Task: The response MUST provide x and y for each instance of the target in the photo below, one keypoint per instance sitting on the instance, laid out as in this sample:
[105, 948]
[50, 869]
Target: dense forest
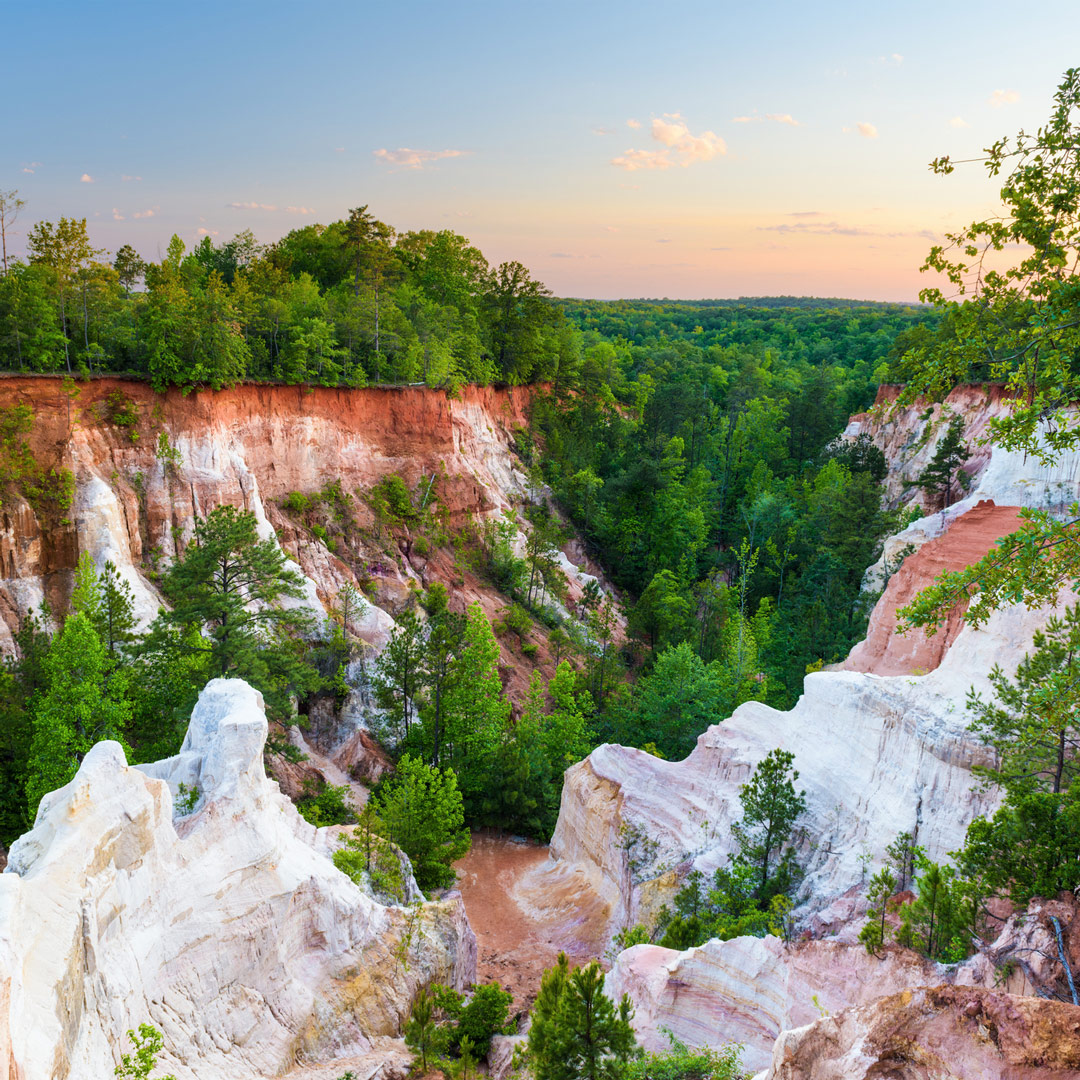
[348, 303]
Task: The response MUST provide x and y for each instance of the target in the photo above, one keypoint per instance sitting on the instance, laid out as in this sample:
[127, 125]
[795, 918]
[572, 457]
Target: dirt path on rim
[524, 910]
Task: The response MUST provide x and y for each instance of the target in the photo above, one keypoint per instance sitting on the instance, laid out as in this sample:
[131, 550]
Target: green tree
[577, 1032]
[940, 474]
[398, 676]
[421, 1032]
[771, 807]
[422, 808]
[80, 705]
[880, 890]
[229, 585]
[476, 712]
[10, 206]
[147, 1043]
[1033, 724]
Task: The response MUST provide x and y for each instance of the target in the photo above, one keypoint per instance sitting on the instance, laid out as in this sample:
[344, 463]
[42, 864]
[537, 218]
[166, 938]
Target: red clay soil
[524, 911]
[884, 652]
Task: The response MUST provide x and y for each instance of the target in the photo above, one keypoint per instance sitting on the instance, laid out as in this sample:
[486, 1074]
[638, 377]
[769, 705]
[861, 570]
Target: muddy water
[525, 910]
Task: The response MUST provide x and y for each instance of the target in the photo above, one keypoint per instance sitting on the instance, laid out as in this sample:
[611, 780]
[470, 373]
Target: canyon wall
[881, 746]
[228, 928]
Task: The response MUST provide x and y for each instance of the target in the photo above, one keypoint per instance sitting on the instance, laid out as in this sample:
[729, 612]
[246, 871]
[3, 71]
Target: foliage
[82, 701]
[366, 856]
[1014, 324]
[422, 809]
[577, 1032]
[682, 1062]
[228, 586]
[752, 895]
[325, 804]
[443, 1021]
[147, 1043]
[939, 476]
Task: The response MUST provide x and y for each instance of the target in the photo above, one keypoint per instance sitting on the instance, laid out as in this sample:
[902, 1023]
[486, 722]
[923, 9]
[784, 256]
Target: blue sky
[779, 149]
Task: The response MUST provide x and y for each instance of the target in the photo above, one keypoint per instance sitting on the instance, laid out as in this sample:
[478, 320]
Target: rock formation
[931, 1032]
[752, 990]
[229, 928]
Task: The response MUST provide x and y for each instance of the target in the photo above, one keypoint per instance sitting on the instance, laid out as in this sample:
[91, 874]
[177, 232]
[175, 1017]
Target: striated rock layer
[751, 990]
[931, 1033]
[229, 929]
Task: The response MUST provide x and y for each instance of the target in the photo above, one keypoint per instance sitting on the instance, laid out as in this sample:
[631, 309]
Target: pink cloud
[682, 147]
[404, 158]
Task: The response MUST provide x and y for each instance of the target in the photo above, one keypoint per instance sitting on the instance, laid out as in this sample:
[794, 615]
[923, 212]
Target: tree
[1017, 325]
[10, 205]
[421, 1032]
[476, 713]
[938, 477]
[1034, 724]
[424, 816]
[398, 676]
[229, 585]
[879, 892]
[80, 705]
[577, 1032]
[771, 806]
[65, 248]
[148, 1043]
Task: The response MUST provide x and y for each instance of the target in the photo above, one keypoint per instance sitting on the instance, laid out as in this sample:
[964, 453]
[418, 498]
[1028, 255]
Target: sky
[618, 149]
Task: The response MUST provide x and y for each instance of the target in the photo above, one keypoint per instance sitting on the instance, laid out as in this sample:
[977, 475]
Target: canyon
[232, 931]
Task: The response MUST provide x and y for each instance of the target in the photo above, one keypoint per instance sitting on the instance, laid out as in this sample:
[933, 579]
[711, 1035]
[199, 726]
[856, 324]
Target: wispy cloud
[116, 215]
[201, 231]
[611, 228]
[775, 118]
[958, 122]
[666, 240]
[603, 131]
[564, 255]
[834, 228]
[271, 207]
[682, 147]
[29, 167]
[1002, 97]
[86, 178]
[152, 212]
[805, 213]
[892, 60]
[404, 158]
[866, 129]
[125, 178]
[635, 124]
[339, 149]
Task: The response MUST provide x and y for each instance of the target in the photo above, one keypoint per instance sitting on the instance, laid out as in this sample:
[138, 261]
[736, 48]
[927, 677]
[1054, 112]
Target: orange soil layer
[524, 911]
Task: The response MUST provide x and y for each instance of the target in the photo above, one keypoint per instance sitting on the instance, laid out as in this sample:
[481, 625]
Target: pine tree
[938, 477]
[229, 585]
[879, 892]
[577, 1032]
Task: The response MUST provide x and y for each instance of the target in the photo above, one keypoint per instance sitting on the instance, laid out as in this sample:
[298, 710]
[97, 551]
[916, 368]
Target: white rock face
[229, 929]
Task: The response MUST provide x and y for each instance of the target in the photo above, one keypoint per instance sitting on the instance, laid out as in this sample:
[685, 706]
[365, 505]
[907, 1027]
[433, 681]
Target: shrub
[297, 503]
[324, 804]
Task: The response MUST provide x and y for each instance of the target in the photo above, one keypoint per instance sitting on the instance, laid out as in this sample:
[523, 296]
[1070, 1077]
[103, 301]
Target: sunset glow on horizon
[702, 150]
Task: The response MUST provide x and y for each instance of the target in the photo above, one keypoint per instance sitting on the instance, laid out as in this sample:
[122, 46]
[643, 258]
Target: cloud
[125, 178]
[834, 228]
[1002, 97]
[635, 124]
[200, 231]
[86, 178]
[339, 149]
[805, 213]
[893, 59]
[958, 122]
[27, 169]
[682, 147]
[866, 130]
[116, 215]
[611, 228]
[666, 240]
[146, 213]
[603, 131]
[720, 249]
[776, 118]
[405, 158]
[564, 255]
[632, 160]
[270, 207]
